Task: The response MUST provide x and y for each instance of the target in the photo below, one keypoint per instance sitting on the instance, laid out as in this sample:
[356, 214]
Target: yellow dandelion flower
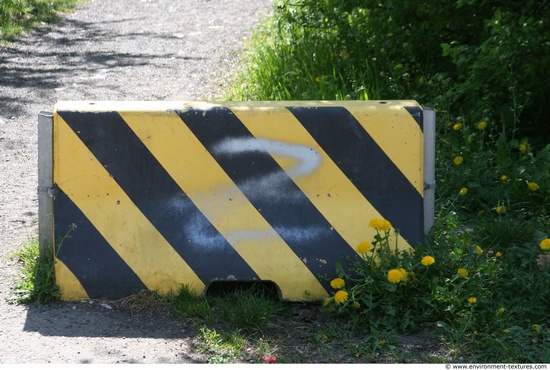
[503, 178]
[499, 254]
[337, 283]
[394, 276]
[501, 310]
[462, 272]
[398, 66]
[326, 302]
[382, 342]
[457, 126]
[501, 209]
[522, 148]
[341, 296]
[385, 225]
[545, 244]
[427, 260]
[482, 125]
[458, 160]
[536, 327]
[533, 186]
[380, 224]
[479, 250]
[364, 248]
[356, 305]
[404, 276]
[463, 191]
[472, 300]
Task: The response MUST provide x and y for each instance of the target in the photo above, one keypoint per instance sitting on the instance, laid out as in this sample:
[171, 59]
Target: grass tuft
[248, 310]
[36, 282]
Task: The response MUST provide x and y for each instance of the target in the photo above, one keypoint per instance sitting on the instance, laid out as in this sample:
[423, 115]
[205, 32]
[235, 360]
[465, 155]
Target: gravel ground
[105, 50]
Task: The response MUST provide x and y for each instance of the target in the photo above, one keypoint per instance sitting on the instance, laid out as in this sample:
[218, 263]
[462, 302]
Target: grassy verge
[18, 16]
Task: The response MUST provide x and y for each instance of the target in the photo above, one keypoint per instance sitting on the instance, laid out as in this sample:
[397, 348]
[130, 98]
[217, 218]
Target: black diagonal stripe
[417, 113]
[158, 196]
[101, 271]
[265, 184]
[367, 166]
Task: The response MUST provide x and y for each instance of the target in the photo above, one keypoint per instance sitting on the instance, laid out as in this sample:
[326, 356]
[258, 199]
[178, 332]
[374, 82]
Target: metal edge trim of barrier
[429, 169]
[45, 184]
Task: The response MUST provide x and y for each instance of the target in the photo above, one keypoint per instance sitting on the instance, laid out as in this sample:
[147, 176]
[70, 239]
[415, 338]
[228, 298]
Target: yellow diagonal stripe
[86, 182]
[321, 180]
[69, 286]
[221, 201]
[392, 125]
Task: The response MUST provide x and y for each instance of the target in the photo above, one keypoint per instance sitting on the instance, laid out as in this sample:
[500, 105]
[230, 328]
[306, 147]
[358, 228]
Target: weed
[222, 349]
[36, 281]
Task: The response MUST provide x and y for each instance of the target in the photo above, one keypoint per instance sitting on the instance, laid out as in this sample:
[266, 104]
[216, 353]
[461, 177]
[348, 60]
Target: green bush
[481, 60]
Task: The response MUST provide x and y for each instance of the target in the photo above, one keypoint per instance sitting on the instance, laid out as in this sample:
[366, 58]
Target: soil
[180, 50]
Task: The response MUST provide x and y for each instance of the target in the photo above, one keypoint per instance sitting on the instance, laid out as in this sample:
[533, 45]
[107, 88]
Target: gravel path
[106, 50]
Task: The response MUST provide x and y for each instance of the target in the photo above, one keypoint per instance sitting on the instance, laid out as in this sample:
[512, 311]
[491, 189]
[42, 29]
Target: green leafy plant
[383, 288]
[222, 349]
[36, 282]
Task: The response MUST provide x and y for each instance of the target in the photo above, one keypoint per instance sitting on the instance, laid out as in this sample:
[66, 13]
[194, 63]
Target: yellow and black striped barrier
[155, 195]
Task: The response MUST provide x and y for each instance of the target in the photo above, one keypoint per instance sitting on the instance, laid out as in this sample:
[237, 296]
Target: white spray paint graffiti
[303, 234]
[306, 160]
[197, 229]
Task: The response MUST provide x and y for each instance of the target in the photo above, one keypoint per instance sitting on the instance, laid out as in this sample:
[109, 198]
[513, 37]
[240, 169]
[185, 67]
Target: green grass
[18, 16]
[232, 318]
[281, 66]
[247, 309]
[36, 281]
[191, 306]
